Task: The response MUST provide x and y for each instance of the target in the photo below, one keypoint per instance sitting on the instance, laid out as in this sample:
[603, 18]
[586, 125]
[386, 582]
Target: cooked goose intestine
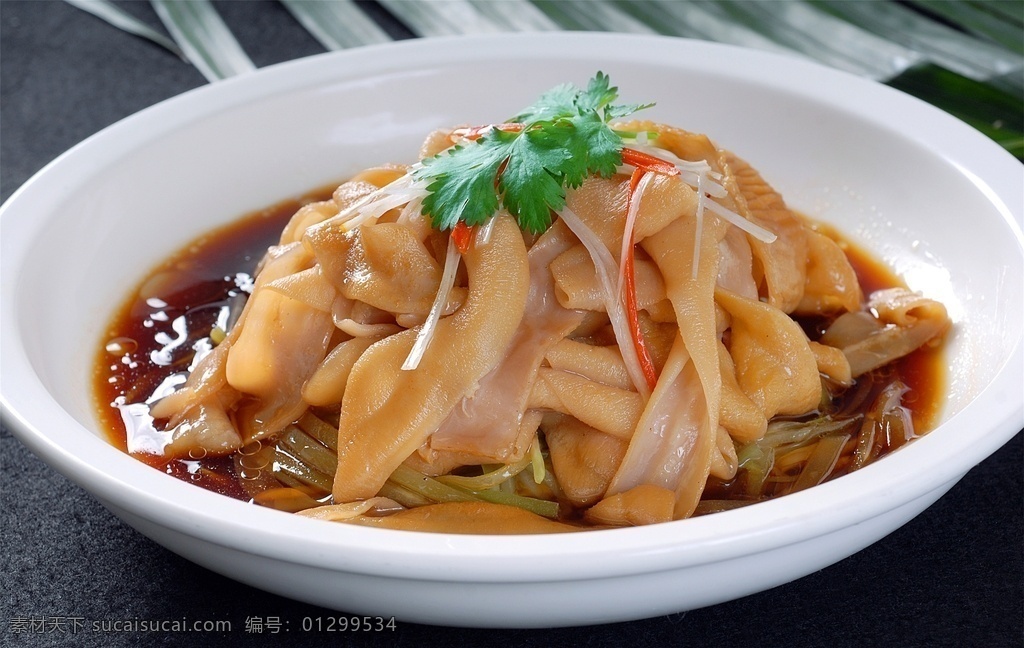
[526, 345]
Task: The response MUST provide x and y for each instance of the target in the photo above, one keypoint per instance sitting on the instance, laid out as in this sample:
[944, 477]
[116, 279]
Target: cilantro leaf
[599, 94]
[563, 138]
[618, 112]
[531, 184]
[604, 147]
[461, 183]
[557, 102]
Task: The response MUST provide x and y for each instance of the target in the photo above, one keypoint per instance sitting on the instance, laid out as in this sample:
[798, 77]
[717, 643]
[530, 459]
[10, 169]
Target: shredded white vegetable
[395, 194]
[753, 229]
[607, 273]
[412, 211]
[403, 190]
[705, 180]
[451, 266]
[688, 170]
[483, 232]
[627, 234]
[698, 226]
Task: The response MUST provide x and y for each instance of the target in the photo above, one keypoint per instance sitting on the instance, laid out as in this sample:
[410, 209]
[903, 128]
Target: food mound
[563, 321]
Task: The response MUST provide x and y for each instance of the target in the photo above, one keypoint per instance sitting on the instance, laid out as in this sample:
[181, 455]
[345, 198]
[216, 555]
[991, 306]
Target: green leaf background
[963, 56]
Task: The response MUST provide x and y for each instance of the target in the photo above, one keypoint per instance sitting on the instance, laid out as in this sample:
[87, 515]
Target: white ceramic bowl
[932, 196]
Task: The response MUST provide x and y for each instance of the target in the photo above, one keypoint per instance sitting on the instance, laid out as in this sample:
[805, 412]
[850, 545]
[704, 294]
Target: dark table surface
[954, 576]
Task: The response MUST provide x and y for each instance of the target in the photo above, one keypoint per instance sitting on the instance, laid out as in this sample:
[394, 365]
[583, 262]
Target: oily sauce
[152, 339]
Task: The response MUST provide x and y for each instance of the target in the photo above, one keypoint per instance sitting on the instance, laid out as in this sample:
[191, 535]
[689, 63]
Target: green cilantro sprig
[561, 140]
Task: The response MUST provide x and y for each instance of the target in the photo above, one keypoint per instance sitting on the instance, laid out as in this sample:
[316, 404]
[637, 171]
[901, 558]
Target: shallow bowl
[931, 196]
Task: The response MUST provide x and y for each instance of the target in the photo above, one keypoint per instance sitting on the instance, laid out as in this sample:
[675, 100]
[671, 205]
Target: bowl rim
[120, 480]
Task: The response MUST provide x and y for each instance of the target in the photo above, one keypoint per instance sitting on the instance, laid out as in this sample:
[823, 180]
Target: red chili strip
[475, 132]
[462, 236]
[634, 182]
[647, 162]
[629, 297]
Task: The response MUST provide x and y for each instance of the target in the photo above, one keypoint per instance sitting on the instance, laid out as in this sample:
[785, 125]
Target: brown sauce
[924, 370]
[181, 299]
[154, 335]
